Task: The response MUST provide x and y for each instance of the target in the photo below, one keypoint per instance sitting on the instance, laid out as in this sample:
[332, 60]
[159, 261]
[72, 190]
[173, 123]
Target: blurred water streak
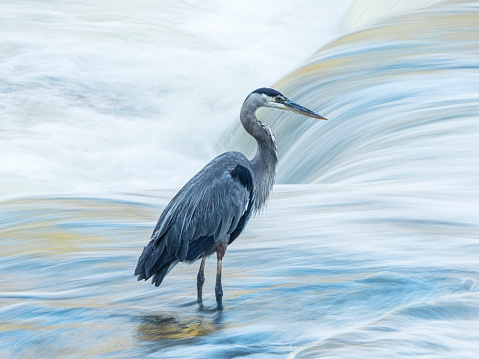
[368, 248]
[351, 271]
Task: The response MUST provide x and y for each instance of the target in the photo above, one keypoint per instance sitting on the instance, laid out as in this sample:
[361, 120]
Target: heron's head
[269, 97]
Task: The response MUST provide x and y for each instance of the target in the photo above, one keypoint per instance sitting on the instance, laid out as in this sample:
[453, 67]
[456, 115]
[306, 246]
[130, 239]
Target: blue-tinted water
[369, 246]
[302, 281]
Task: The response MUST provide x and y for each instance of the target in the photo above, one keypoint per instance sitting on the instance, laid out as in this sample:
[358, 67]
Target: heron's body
[201, 216]
[214, 206]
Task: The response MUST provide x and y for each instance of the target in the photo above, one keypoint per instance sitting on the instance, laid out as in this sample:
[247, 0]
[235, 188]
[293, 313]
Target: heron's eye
[278, 99]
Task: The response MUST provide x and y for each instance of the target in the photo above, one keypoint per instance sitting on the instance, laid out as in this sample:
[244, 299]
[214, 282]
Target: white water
[369, 246]
[101, 96]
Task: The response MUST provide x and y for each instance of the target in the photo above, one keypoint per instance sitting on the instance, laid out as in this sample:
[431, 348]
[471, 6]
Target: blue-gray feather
[206, 210]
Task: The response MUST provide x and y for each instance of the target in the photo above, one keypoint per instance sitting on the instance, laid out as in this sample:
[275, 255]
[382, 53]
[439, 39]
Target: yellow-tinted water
[372, 251]
[324, 263]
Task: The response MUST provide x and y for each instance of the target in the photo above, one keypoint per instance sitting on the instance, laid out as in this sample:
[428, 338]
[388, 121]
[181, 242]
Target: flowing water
[369, 246]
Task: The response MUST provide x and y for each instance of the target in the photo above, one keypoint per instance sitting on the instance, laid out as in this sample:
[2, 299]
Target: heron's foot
[200, 303]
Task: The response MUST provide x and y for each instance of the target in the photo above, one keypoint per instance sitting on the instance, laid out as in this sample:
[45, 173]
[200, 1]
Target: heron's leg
[200, 279]
[220, 252]
[218, 287]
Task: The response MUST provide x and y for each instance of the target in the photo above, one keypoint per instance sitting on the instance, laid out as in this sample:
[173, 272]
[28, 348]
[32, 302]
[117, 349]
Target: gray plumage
[209, 205]
[214, 206]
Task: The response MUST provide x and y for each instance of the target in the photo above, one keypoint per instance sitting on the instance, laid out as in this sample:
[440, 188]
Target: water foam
[132, 96]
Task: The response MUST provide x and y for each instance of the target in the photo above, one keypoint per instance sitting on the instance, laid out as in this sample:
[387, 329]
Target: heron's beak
[294, 107]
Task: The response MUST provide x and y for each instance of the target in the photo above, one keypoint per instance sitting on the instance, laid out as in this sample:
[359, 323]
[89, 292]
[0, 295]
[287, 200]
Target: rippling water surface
[369, 246]
[325, 271]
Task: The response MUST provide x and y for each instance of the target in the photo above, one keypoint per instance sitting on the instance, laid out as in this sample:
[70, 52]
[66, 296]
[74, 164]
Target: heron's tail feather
[154, 261]
[158, 276]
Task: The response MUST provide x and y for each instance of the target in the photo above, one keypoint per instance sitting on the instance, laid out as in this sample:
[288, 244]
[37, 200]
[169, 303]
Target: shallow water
[302, 281]
[369, 246]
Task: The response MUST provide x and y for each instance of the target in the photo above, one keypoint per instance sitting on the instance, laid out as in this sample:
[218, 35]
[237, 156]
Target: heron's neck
[266, 158]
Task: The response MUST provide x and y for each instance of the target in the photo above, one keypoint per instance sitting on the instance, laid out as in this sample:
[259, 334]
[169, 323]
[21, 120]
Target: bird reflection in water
[170, 326]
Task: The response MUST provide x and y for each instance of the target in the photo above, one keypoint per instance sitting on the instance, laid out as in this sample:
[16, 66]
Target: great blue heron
[212, 209]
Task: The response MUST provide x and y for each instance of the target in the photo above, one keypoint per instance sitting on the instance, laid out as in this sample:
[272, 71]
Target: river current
[369, 245]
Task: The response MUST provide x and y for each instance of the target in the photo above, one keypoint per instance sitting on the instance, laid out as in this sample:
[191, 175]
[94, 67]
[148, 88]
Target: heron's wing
[209, 207]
